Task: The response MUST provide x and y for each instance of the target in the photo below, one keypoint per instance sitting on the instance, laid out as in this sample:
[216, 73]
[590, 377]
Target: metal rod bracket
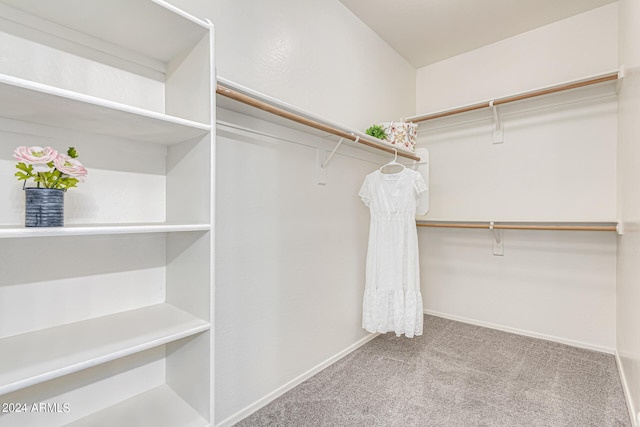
[326, 162]
[498, 134]
[322, 163]
[498, 242]
[620, 77]
[321, 172]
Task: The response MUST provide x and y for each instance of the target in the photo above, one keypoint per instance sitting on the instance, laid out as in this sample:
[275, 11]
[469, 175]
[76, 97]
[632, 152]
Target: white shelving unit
[90, 114]
[107, 320]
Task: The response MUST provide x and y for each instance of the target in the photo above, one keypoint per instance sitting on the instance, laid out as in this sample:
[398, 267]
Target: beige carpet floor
[456, 375]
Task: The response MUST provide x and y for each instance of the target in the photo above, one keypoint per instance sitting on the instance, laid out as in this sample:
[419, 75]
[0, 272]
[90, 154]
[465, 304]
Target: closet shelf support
[498, 243]
[498, 134]
[326, 162]
[620, 77]
[496, 233]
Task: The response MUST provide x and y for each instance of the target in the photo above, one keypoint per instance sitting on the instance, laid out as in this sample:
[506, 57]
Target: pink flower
[36, 156]
[70, 167]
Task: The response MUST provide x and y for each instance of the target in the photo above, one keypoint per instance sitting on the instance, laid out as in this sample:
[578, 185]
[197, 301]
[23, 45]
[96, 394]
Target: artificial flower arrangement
[48, 168]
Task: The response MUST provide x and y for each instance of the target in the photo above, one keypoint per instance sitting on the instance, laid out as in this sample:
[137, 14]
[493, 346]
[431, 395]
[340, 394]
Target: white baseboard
[243, 413]
[573, 343]
[627, 394]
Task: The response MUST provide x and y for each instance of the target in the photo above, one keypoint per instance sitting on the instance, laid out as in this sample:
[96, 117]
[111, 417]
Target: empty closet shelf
[34, 357]
[158, 407]
[41, 104]
[7, 232]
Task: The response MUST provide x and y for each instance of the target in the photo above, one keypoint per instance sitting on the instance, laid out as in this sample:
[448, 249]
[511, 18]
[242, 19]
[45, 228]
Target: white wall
[313, 54]
[290, 262]
[628, 292]
[557, 163]
[573, 48]
[290, 254]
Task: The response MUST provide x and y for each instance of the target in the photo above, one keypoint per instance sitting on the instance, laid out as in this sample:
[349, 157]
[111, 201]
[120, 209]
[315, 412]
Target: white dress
[392, 300]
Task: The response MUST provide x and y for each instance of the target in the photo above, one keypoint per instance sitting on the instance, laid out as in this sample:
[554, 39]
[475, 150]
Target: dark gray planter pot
[44, 207]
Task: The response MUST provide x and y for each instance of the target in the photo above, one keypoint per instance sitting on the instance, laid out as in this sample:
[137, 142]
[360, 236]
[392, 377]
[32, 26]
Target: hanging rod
[608, 226]
[545, 91]
[256, 103]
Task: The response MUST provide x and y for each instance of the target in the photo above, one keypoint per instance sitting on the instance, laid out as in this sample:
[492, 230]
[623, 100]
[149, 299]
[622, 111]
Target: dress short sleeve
[365, 192]
[419, 184]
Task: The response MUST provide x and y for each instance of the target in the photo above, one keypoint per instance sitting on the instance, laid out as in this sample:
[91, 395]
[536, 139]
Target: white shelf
[33, 102]
[251, 111]
[159, 407]
[39, 356]
[9, 232]
[143, 28]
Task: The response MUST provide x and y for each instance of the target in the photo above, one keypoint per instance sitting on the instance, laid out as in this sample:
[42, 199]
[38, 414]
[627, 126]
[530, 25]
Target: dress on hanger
[392, 301]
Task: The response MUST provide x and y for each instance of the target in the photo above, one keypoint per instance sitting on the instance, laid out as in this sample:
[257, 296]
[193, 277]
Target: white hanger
[393, 162]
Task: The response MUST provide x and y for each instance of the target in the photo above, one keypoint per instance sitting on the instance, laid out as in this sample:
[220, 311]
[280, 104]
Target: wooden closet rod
[553, 89]
[519, 226]
[253, 102]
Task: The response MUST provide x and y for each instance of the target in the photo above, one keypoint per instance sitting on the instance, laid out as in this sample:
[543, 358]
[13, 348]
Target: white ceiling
[428, 31]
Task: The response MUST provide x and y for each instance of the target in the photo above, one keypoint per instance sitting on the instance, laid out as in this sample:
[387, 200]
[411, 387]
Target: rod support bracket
[321, 164]
[326, 162]
[498, 242]
[496, 232]
[498, 134]
[621, 72]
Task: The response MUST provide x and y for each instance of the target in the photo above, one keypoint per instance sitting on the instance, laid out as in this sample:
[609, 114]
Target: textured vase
[44, 207]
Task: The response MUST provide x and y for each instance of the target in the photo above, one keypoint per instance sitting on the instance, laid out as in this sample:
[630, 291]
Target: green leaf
[376, 131]
[25, 168]
[73, 181]
[72, 152]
